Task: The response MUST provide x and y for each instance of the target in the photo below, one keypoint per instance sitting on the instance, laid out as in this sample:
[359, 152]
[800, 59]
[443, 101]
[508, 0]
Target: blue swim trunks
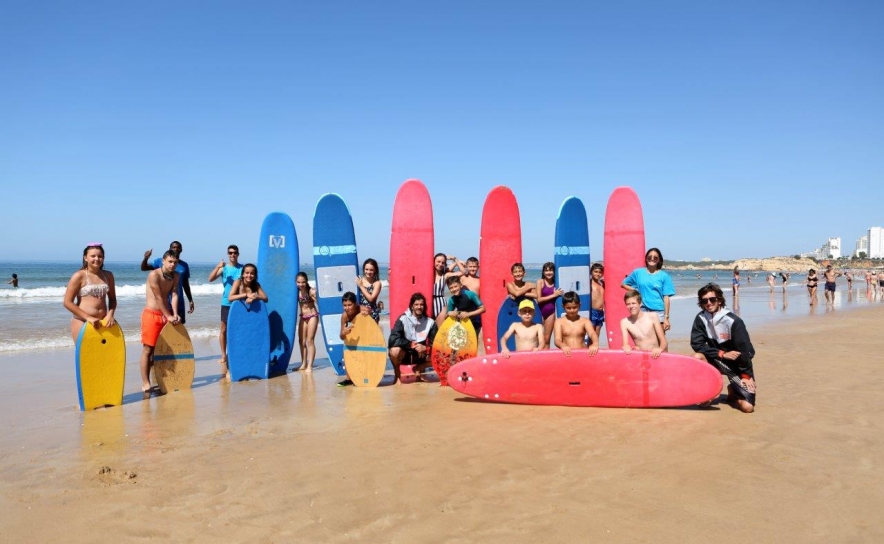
[597, 317]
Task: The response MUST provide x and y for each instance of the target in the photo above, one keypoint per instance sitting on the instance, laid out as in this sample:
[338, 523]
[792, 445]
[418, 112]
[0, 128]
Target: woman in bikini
[91, 295]
[812, 281]
[441, 272]
[308, 323]
[369, 288]
[247, 288]
[547, 293]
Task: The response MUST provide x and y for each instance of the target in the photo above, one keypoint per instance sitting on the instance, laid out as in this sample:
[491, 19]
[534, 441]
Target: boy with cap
[529, 335]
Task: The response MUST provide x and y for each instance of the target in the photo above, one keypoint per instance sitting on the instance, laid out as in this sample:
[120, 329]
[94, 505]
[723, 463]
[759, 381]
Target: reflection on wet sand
[102, 432]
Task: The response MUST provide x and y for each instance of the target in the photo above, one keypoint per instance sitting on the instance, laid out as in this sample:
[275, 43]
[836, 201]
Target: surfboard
[455, 341]
[277, 268]
[173, 362]
[365, 352]
[100, 363]
[509, 314]
[624, 251]
[248, 340]
[611, 378]
[336, 264]
[571, 255]
[500, 246]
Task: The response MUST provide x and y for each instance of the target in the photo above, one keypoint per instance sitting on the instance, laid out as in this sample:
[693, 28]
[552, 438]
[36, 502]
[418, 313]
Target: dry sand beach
[296, 459]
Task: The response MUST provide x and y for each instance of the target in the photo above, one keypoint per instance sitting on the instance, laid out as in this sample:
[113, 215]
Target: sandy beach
[296, 459]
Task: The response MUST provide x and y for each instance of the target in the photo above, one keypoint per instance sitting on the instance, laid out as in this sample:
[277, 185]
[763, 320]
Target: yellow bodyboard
[365, 352]
[455, 341]
[100, 360]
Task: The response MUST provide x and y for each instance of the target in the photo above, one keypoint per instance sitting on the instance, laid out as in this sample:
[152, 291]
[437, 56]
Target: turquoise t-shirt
[652, 287]
[229, 275]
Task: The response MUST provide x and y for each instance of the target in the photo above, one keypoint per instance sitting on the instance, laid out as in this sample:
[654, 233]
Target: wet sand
[296, 459]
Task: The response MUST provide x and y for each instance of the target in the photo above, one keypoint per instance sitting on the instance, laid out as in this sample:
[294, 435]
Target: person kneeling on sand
[644, 328]
[719, 337]
[529, 335]
[411, 338]
[572, 329]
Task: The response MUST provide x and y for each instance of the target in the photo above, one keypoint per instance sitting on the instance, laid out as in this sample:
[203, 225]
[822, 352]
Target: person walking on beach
[654, 285]
[849, 276]
[644, 328]
[91, 295]
[228, 273]
[411, 338]
[183, 271]
[735, 283]
[308, 322]
[719, 337]
[812, 281]
[785, 276]
[830, 285]
[771, 278]
[13, 281]
[162, 285]
[597, 297]
[572, 329]
[547, 293]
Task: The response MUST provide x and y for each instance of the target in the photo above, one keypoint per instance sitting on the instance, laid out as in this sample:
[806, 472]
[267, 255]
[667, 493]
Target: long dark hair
[85, 251]
[255, 285]
[659, 261]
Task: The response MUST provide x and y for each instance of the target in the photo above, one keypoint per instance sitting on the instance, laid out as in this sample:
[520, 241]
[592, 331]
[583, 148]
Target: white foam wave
[65, 342]
[123, 291]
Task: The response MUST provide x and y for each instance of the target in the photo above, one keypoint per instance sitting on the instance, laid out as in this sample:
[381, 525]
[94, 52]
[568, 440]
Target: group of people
[718, 335]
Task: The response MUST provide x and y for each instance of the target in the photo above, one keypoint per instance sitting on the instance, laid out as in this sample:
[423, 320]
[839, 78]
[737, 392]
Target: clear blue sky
[747, 128]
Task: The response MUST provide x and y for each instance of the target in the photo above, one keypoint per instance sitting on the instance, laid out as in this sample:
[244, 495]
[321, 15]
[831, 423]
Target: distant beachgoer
[308, 322]
[464, 304]
[597, 297]
[519, 289]
[735, 283]
[470, 279]
[247, 288]
[228, 273]
[719, 337]
[749, 279]
[572, 329]
[849, 276]
[771, 278]
[546, 295]
[369, 288]
[13, 281]
[529, 335]
[161, 288]
[654, 285]
[643, 327]
[880, 278]
[868, 280]
[830, 285]
[411, 338]
[785, 277]
[441, 272]
[812, 281]
[183, 271]
[91, 294]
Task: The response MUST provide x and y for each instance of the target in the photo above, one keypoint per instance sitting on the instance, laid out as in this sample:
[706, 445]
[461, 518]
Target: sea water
[32, 317]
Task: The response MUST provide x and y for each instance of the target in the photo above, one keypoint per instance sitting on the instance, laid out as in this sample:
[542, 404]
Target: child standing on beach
[597, 297]
[519, 289]
[546, 295]
[572, 329]
[308, 322]
[351, 310]
[470, 278]
[643, 327]
[464, 303]
[529, 335]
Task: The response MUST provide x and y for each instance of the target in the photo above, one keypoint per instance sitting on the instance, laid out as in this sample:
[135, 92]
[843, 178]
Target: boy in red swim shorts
[161, 283]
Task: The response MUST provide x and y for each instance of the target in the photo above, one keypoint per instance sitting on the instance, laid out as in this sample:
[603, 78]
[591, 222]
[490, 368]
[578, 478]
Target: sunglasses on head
[708, 300]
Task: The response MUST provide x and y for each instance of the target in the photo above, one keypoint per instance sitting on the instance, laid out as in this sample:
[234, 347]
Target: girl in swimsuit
[441, 272]
[812, 281]
[247, 287]
[91, 295]
[547, 293]
[370, 288]
[308, 323]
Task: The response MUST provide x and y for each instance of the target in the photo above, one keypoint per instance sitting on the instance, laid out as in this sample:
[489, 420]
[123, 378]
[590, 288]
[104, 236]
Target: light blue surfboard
[277, 268]
[336, 264]
[509, 314]
[571, 256]
[248, 340]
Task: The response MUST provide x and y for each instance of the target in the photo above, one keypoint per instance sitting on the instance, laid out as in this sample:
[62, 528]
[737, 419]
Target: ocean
[32, 317]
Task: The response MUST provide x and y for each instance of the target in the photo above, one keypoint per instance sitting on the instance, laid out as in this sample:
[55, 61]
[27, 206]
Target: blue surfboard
[509, 314]
[277, 268]
[336, 264]
[248, 340]
[571, 257]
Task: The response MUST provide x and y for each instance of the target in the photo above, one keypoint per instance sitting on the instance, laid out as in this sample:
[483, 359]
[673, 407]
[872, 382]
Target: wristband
[721, 354]
[745, 377]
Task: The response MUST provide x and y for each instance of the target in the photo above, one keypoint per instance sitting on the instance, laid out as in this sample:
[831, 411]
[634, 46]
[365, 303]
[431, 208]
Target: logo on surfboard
[277, 242]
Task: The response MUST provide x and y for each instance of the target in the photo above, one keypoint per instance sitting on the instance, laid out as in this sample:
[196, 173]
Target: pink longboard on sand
[411, 249]
[500, 246]
[624, 251]
[611, 378]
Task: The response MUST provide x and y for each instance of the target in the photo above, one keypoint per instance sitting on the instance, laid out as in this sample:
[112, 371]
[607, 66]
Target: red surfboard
[500, 246]
[611, 378]
[624, 251]
[411, 249]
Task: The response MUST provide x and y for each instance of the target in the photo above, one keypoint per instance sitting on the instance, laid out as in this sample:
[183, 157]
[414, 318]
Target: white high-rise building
[831, 249]
[862, 246]
[876, 243]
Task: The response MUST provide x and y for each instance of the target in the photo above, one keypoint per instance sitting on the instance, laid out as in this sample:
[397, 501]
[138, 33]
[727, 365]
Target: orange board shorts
[152, 322]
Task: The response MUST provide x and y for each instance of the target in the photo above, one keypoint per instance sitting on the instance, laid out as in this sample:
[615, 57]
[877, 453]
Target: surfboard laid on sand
[455, 341]
[624, 251]
[336, 264]
[365, 352]
[411, 248]
[509, 314]
[248, 340]
[277, 268]
[100, 362]
[571, 255]
[500, 246]
[611, 378]
[173, 362]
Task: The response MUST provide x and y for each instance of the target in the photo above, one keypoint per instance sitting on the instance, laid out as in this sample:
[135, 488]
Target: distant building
[862, 246]
[876, 243]
[830, 250]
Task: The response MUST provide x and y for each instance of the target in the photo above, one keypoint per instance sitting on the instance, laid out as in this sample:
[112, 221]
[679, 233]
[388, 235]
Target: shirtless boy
[830, 276]
[529, 335]
[519, 289]
[644, 328]
[470, 278]
[597, 298]
[162, 286]
[572, 329]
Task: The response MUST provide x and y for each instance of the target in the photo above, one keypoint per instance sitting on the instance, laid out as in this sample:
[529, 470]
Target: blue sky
[747, 128]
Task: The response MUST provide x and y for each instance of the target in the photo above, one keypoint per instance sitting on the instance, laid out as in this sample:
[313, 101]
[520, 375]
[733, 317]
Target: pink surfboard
[611, 378]
[411, 250]
[500, 246]
[624, 251]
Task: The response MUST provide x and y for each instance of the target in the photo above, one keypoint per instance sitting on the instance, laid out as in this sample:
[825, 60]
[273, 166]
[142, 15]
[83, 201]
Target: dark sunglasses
[707, 300]
[233, 252]
[652, 258]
